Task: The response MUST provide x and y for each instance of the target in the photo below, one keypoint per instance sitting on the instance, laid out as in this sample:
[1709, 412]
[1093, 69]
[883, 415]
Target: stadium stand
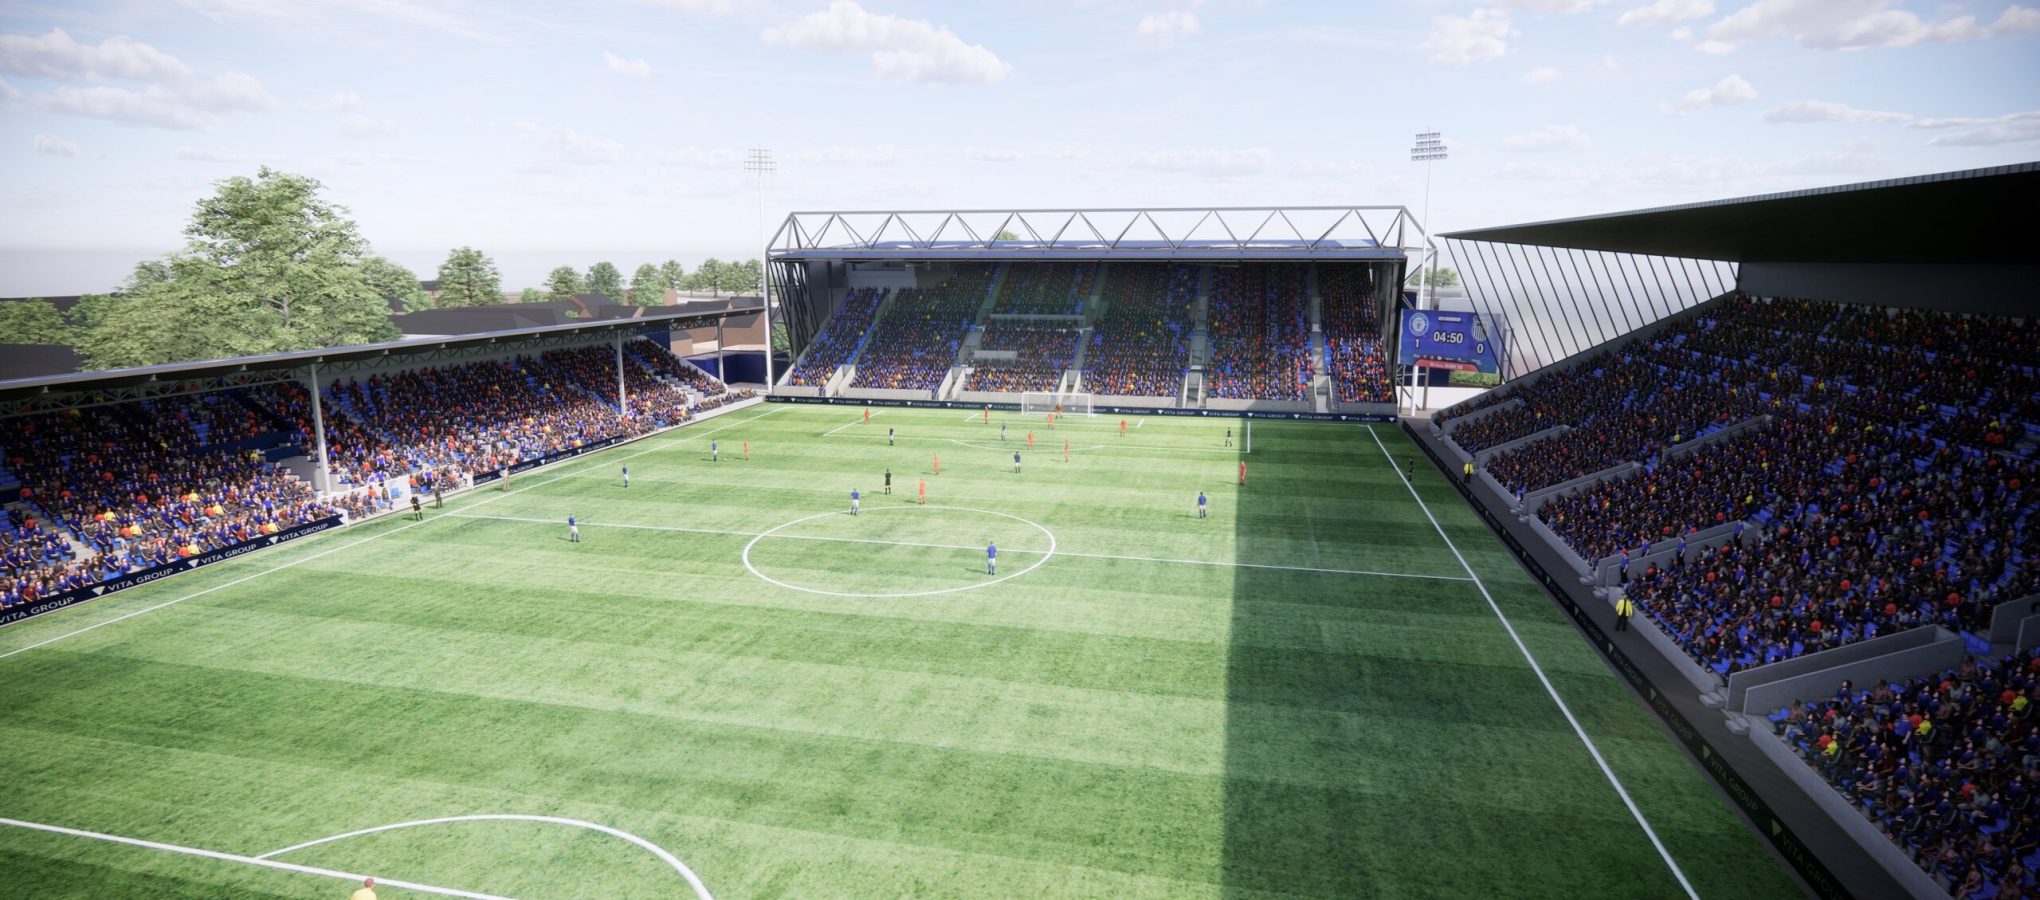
[1946, 765]
[1260, 333]
[1141, 344]
[1354, 350]
[1045, 289]
[839, 338]
[1044, 350]
[129, 486]
[1885, 490]
[914, 345]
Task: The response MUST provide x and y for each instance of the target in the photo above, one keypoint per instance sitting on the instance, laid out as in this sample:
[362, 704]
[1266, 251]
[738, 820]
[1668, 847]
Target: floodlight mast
[1429, 148]
[759, 162]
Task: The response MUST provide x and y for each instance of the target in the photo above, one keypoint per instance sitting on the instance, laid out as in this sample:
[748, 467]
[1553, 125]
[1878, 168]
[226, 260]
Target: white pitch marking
[250, 860]
[700, 890]
[493, 497]
[1045, 554]
[1592, 750]
[850, 423]
[844, 540]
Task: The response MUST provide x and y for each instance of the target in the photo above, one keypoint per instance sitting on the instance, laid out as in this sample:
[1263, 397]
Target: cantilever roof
[1976, 217]
[1194, 233]
[19, 388]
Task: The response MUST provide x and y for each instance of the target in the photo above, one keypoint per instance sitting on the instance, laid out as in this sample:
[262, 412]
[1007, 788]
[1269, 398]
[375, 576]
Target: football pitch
[1324, 689]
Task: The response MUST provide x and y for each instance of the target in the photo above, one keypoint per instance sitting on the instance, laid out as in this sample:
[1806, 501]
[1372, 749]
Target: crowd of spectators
[1354, 352]
[126, 482]
[1260, 333]
[839, 338]
[1045, 288]
[1869, 511]
[1141, 343]
[1946, 765]
[1043, 352]
[914, 345]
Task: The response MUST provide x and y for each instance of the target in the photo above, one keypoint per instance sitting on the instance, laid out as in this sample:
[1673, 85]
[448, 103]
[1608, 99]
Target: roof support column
[622, 401]
[322, 477]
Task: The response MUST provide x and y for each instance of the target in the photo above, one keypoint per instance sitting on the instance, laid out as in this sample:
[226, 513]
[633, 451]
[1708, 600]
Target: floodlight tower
[1429, 148]
[759, 162]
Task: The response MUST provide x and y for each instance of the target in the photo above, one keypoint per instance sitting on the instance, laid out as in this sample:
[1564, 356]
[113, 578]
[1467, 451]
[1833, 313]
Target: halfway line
[846, 540]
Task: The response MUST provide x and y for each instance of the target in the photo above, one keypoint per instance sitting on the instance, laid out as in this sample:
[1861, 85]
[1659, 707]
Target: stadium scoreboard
[1459, 342]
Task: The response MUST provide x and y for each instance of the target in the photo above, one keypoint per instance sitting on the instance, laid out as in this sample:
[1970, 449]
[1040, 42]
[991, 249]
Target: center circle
[916, 508]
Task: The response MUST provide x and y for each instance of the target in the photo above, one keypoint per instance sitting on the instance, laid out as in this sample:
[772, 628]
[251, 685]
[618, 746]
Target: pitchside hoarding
[1460, 342]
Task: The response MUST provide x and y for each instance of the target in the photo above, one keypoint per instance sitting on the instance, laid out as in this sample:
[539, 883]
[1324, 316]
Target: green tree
[394, 282]
[744, 277]
[708, 276]
[269, 266]
[563, 283]
[1444, 277]
[469, 278]
[530, 295]
[1005, 235]
[674, 274]
[34, 321]
[604, 279]
[647, 286]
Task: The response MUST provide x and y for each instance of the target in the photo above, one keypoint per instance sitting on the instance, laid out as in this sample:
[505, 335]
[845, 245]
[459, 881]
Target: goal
[1075, 403]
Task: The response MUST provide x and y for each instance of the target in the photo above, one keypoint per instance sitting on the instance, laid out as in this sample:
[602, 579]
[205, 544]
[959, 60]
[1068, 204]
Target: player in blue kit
[853, 501]
[992, 558]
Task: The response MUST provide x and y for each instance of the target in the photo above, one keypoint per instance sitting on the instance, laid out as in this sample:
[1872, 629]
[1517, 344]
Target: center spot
[896, 550]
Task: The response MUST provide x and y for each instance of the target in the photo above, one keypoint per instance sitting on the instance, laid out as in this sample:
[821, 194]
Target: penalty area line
[356, 877]
[851, 422]
[1592, 750]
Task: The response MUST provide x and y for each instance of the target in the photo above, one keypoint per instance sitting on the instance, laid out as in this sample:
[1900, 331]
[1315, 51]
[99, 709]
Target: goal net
[1042, 402]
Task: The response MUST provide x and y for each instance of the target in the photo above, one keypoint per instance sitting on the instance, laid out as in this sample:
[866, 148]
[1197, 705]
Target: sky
[555, 133]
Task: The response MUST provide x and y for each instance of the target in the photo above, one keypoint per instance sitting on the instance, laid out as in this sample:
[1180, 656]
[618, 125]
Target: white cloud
[1665, 12]
[1245, 161]
[202, 154]
[1553, 7]
[1168, 26]
[2015, 128]
[880, 155]
[1458, 40]
[227, 92]
[1330, 168]
[901, 49]
[699, 6]
[1682, 34]
[993, 154]
[1804, 111]
[7, 91]
[1541, 75]
[51, 145]
[623, 66]
[56, 55]
[561, 146]
[360, 126]
[1726, 92]
[154, 106]
[174, 96]
[1854, 25]
[1549, 139]
[344, 101]
[326, 16]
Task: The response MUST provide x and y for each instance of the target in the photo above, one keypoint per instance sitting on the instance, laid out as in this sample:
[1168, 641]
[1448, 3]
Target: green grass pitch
[798, 703]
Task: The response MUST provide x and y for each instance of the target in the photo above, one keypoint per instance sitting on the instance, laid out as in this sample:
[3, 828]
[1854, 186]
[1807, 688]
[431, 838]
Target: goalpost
[1075, 403]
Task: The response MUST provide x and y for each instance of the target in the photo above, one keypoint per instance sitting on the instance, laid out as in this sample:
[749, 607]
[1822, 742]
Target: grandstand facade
[1283, 311]
[116, 478]
[1812, 478]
